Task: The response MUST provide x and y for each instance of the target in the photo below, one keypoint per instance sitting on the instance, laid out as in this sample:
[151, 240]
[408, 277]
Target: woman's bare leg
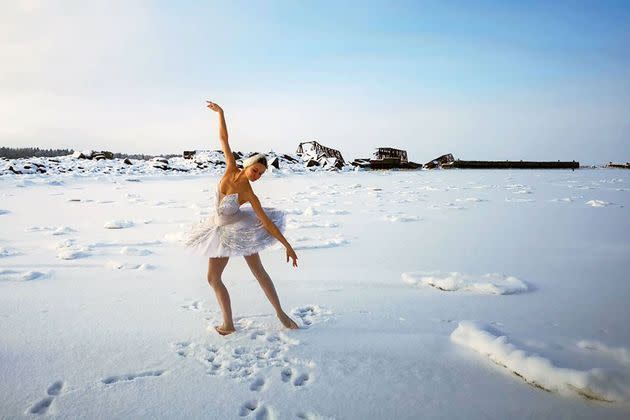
[215, 269]
[254, 263]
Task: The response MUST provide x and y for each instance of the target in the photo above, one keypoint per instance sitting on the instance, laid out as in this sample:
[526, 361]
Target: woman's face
[255, 171]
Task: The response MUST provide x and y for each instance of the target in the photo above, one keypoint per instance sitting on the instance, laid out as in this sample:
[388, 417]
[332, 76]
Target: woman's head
[254, 166]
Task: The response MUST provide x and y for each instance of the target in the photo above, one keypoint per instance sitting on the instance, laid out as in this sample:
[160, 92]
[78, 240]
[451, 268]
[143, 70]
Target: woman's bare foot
[223, 330]
[287, 322]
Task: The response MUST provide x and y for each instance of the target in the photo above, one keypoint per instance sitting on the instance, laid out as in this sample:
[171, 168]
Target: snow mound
[72, 254]
[519, 200]
[68, 250]
[469, 200]
[12, 275]
[314, 243]
[598, 384]
[117, 265]
[597, 203]
[118, 224]
[7, 252]
[491, 284]
[299, 224]
[337, 211]
[54, 230]
[127, 250]
[401, 218]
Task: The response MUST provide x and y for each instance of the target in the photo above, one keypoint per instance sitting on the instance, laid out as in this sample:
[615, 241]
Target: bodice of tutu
[228, 204]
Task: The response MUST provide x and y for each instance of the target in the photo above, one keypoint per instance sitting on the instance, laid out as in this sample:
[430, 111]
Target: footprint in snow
[42, 406]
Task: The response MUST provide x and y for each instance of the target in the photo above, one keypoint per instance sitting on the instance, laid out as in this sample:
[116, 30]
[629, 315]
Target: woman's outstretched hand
[214, 107]
[291, 254]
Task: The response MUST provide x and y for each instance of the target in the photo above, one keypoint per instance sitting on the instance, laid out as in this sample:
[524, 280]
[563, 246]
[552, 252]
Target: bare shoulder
[230, 172]
[226, 182]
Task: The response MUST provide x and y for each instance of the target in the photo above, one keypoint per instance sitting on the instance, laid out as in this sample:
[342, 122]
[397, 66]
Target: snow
[420, 294]
[118, 224]
[597, 384]
[492, 283]
[597, 203]
[401, 218]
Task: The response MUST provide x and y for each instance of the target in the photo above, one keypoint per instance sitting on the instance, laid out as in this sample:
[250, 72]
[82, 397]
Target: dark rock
[290, 158]
[330, 163]
[127, 161]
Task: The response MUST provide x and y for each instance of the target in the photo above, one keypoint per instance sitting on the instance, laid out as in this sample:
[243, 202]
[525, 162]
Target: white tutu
[230, 231]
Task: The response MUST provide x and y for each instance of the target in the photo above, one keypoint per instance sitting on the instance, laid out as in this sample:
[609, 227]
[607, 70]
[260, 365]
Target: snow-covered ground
[422, 294]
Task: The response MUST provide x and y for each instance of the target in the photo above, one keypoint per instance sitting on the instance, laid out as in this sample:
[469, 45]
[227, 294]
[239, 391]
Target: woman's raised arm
[223, 135]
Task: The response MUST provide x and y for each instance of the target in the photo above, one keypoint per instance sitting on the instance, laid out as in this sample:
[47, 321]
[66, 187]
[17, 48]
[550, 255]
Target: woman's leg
[254, 263]
[215, 269]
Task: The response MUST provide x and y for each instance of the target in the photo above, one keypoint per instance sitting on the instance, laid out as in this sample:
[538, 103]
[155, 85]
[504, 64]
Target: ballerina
[232, 231]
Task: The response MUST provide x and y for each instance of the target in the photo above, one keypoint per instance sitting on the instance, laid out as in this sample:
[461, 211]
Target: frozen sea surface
[421, 294]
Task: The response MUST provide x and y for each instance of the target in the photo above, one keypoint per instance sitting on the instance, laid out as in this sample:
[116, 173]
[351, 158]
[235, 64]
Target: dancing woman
[231, 232]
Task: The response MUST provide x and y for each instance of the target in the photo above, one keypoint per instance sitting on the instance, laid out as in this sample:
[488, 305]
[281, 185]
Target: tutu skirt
[241, 233]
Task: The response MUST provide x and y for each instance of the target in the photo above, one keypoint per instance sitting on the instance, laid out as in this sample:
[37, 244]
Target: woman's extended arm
[271, 227]
[223, 135]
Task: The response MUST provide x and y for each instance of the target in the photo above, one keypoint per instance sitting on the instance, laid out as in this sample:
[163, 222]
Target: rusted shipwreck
[448, 162]
[438, 162]
[387, 158]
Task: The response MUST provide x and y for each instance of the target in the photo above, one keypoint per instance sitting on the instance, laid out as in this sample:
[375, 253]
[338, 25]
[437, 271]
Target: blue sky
[479, 79]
